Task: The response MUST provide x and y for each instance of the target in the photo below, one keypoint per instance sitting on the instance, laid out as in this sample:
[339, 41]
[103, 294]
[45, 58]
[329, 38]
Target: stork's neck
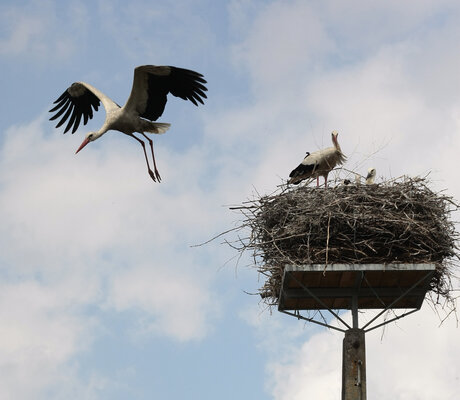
[101, 131]
[336, 143]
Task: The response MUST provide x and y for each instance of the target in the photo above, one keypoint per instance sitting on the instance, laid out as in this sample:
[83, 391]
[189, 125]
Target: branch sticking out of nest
[399, 221]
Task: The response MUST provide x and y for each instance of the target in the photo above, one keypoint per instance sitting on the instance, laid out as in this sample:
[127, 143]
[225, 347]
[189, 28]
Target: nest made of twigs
[399, 221]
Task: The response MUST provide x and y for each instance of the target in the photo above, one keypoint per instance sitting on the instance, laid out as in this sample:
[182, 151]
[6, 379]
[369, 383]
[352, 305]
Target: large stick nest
[399, 221]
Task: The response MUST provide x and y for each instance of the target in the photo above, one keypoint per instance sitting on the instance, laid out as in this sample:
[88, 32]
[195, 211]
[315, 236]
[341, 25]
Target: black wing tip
[61, 97]
[74, 108]
[196, 75]
[301, 169]
[197, 98]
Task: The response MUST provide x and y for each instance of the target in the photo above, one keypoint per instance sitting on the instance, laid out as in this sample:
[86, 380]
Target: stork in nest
[318, 163]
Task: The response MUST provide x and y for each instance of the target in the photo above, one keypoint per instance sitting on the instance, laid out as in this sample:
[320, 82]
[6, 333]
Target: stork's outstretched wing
[152, 84]
[76, 102]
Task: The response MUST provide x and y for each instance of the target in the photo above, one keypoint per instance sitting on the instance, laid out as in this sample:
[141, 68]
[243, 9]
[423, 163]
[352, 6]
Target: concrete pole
[354, 365]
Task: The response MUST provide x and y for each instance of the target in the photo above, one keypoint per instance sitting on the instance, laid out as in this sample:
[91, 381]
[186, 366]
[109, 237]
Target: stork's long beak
[85, 142]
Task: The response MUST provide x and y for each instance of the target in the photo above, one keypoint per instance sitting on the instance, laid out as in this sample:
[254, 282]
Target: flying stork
[145, 104]
[318, 163]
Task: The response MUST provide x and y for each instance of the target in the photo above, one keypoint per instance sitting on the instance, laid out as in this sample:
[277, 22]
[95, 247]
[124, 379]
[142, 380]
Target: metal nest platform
[353, 287]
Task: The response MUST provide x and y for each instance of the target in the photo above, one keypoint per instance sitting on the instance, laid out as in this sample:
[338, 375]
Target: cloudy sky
[102, 295]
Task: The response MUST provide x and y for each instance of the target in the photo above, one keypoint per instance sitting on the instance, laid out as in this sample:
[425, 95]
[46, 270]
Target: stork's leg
[157, 174]
[152, 175]
[325, 180]
[317, 181]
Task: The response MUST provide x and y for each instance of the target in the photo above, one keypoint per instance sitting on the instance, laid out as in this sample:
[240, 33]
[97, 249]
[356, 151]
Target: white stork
[371, 172]
[318, 163]
[145, 104]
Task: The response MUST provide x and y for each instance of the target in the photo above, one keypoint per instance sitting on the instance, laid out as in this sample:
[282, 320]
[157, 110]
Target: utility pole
[354, 365]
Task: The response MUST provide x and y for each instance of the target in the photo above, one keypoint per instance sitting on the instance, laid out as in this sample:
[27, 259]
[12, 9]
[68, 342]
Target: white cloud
[21, 35]
[286, 40]
[415, 352]
[314, 372]
[134, 34]
[38, 33]
[174, 302]
[361, 27]
[43, 330]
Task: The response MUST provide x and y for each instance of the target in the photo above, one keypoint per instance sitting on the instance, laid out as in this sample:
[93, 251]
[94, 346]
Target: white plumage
[318, 163]
[146, 103]
[371, 173]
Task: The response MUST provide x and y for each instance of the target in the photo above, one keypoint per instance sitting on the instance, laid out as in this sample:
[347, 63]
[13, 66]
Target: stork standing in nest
[318, 163]
[145, 104]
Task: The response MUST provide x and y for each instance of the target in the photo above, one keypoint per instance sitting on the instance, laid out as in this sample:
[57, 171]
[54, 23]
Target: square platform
[373, 286]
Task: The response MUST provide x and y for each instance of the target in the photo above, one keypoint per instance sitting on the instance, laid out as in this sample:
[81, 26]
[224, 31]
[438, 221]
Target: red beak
[85, 142]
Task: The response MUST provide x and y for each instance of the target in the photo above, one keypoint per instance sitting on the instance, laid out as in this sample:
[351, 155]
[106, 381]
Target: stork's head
[334, 139]
[90, 137]
[371, 172]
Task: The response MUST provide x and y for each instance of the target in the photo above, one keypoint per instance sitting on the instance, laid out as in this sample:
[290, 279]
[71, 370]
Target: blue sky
[102, 295]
